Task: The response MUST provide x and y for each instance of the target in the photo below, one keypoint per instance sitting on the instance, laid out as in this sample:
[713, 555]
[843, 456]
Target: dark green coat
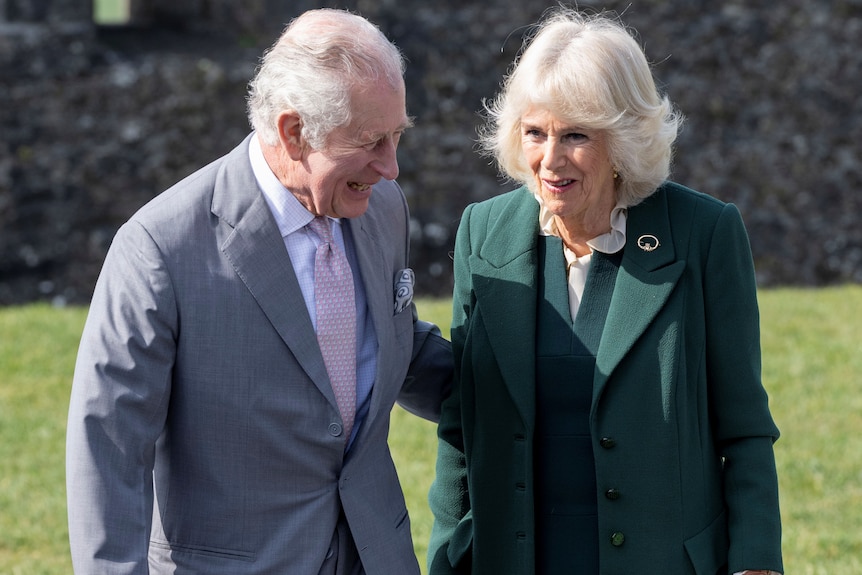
[681, 427]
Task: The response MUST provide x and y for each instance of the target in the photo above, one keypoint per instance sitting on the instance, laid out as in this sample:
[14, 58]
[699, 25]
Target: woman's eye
[575, 136]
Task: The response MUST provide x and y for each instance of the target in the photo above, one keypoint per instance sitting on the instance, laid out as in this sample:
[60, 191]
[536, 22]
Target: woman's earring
[616, 174]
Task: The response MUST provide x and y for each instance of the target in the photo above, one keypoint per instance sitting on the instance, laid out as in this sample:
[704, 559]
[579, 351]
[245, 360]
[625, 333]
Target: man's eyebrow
[407, 123]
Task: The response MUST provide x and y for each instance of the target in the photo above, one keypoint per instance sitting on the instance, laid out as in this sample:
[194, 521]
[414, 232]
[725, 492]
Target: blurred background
[106, 103]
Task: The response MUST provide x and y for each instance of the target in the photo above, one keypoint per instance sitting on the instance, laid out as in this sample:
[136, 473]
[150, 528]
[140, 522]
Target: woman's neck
[576, 233]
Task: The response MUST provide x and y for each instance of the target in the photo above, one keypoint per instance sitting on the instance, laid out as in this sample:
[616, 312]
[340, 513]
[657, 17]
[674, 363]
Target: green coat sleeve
[743, 427]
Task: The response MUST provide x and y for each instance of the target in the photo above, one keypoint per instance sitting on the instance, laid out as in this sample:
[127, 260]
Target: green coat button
[617, 539]
[612, 494]
[608, 442]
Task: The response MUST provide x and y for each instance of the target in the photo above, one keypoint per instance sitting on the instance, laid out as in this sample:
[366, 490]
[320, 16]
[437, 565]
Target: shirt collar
[607, 243]
[289, 213]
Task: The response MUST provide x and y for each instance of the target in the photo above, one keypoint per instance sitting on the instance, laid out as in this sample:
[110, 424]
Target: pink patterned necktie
[336, 320]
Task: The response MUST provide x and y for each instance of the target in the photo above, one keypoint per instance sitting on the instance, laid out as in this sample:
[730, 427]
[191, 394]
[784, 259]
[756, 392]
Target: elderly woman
[608, 415]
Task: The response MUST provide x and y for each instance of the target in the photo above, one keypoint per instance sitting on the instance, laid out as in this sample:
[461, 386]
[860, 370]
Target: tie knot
[322, 227]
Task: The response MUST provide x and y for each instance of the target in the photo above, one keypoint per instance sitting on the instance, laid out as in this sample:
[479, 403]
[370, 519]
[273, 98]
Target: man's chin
[354, 208]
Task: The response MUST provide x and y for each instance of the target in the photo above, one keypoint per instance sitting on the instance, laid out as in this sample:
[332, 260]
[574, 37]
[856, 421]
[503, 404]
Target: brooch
[648, 242]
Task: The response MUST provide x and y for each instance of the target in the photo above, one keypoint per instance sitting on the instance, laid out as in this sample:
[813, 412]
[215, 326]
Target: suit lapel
[254, 246]
[367, 238]
[645, 281]
[505, 281]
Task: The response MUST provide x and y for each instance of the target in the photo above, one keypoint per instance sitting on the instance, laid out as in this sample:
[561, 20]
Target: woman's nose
[553, 155]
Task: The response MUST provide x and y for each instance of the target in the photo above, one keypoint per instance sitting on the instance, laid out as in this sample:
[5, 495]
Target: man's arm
[119, 400]
[429, 378]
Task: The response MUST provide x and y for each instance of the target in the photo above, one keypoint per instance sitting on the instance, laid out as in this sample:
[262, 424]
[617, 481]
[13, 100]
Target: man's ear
[289, 126]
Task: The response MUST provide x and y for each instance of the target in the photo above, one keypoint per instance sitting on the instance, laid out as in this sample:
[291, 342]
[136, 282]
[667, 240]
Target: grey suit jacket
[203, 432]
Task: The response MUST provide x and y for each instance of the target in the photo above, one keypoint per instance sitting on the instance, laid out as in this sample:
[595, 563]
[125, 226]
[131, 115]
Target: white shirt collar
[607, 243]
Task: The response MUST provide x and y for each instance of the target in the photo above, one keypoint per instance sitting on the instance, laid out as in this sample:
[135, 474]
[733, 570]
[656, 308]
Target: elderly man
[250, 332]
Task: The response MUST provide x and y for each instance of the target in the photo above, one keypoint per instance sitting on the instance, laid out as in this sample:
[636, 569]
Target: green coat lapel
[645, 281]
[505, 282]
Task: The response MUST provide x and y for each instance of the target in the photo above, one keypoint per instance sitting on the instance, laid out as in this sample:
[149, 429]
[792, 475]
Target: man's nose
[386, 162]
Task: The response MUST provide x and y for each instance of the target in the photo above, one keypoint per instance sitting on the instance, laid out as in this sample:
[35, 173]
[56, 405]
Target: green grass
[812, 341]
[37, 354]
[812, 368]
[111, 11]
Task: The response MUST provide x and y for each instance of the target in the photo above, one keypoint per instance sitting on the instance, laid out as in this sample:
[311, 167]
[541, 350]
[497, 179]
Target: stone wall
[96, 121]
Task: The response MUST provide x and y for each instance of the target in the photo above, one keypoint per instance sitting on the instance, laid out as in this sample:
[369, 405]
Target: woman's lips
[558, 185]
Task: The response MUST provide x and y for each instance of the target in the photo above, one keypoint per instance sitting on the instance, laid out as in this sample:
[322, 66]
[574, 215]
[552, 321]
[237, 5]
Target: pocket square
[404, 281]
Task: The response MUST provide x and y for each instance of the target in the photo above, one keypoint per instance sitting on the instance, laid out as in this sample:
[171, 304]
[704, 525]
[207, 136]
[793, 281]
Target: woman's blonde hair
[589, 71]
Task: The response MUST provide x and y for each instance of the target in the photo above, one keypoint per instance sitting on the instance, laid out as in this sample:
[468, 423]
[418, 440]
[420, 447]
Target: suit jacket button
[617, 539]
[335, 429]
[608, 442]
[612, 494]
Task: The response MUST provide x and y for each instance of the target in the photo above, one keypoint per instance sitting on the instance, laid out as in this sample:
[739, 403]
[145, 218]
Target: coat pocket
[461, 542]
[201, 550]
[708, 549]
